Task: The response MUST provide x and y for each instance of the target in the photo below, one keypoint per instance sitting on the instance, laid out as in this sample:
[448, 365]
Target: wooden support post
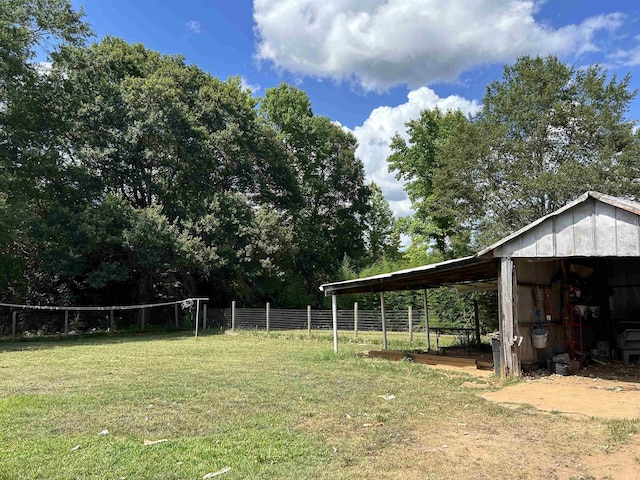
[355, 320]
[14, 323]
[384, 321]
[112, 322]
[268, 315]
[426, 319]
[204, 316]
[505, 295]
[334, 314]
[66, 323]
[476, 315]
[233, 315]
[177, 316]
[142, 320]
[197, 315]
[309, 321]
[410, 314]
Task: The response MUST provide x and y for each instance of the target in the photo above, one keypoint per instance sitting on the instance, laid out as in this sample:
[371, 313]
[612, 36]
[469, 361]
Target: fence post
[309, 321]
[142, 320]
[334, 314]
[426, 319]
[14, 322]
[112, 322]
[204, 316]
[410, 324]
[197, 315]
[384, 322]
[355, 320]
[66, 323]
[268, 315]
[177, 317]
[233, 316]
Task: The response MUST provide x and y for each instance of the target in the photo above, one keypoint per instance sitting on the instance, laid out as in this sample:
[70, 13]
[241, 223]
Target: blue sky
[374, 64]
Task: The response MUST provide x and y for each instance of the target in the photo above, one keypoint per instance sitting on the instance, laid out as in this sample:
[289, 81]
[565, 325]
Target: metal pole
[268, 315]
[233, 315]
[14, 322]
[355, 320]
[426, 319]
[334, 311]
[476, 315]
[309, 321]
[197, 315]
[66, 323]
[112, 322]
[177, 317]
[410, 314]
[384, 322]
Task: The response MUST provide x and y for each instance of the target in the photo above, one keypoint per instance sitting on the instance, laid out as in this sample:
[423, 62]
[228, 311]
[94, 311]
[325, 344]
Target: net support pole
[197, 315]
[410, 315]
[384, 321]
[204, 316]
[66, 323]
[309, 321]
[233, 316]
[355, 320]
[334, 314]
[268, 315]
[14, 321]
[426, 319]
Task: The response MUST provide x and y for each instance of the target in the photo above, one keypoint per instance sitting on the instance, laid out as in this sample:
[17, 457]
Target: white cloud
[374, 138]
[381, 43]
[246, 85]
[194, 26]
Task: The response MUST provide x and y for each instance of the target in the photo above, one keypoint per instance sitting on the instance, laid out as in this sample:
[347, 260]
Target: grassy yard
[278, 406]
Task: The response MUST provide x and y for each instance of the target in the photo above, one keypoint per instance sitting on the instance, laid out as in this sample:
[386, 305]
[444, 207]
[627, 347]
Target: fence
[409, 320]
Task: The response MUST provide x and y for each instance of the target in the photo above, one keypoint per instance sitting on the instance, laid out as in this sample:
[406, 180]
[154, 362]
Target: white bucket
[539, 337]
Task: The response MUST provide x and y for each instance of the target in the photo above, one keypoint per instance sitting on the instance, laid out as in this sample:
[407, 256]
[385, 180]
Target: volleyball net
[36, 320]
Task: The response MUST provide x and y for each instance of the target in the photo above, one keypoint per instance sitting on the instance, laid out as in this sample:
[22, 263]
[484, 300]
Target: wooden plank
[505, 292]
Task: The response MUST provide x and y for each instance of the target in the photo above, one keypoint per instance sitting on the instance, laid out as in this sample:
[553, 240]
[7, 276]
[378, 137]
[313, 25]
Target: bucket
[539, 337]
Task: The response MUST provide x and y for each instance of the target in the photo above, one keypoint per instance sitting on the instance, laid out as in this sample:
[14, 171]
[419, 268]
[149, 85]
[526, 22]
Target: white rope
[186, 303]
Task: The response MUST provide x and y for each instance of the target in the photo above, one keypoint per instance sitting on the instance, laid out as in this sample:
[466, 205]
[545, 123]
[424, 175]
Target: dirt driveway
[611, 392]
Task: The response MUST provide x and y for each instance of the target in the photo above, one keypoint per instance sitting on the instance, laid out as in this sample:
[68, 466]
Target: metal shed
[574, 272]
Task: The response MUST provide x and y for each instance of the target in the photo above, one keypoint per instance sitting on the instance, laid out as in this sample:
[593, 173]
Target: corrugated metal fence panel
[290, 319]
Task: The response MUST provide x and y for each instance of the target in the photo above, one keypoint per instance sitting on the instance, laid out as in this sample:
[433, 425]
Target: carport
[574, 272]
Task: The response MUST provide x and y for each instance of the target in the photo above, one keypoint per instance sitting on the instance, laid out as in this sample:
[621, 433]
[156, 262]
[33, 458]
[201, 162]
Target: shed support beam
[384, 322]
[509, 351]
[426, 319]
[334, 312]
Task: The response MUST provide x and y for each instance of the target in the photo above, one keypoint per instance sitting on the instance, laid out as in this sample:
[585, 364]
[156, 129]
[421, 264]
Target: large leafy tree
[32, 162]
[330, 220]
[416, 161]
[546, 133]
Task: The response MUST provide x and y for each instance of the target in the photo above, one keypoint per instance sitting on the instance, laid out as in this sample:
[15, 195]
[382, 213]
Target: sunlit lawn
[265, 406]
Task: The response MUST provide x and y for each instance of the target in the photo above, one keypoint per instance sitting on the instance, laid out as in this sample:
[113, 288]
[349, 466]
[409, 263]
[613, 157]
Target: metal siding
[565, 246]
[605, 230]
[627, 234]
[583, 234]
[544, 244]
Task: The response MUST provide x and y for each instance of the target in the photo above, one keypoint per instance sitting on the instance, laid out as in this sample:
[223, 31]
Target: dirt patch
[578, 395]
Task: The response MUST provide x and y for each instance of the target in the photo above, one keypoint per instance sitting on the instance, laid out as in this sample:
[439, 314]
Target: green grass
[267, 406]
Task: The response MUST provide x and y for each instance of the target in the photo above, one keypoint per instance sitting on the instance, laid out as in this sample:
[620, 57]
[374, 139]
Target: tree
[32, 163]
[329, 222]
[547, 133]
[380, 234]
[417, 161]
